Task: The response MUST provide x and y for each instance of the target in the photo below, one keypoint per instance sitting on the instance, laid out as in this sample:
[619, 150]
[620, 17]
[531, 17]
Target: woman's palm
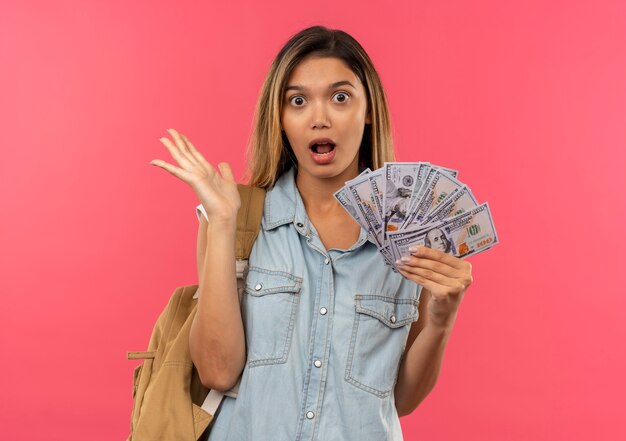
[217, 192]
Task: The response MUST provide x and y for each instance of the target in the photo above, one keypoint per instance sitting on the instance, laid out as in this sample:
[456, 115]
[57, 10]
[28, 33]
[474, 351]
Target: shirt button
[317, 363]
[326, 261]
[258, 287]
[323, 311]
[392, 319]
[300, 224]
[310, 415]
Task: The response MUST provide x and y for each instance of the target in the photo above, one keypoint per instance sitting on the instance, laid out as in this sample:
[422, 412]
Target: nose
[320, 116]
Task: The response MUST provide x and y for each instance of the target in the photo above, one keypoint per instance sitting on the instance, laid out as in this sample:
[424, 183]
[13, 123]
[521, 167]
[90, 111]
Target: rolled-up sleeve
[200, 210]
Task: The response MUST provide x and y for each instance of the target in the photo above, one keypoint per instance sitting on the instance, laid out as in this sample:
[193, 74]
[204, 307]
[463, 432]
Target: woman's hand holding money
[217, 192]
[443, 276]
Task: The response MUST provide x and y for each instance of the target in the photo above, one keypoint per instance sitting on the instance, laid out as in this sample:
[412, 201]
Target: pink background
[527, 99]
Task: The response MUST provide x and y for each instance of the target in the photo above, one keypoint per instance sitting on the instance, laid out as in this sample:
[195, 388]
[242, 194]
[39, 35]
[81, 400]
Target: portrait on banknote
[437, 239]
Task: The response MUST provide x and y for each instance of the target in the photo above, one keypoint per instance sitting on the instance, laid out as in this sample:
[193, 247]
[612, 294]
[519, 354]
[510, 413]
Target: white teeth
[314, 148]
[317, 153]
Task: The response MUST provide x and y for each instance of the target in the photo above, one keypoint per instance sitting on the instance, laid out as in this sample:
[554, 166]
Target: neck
[317, 194]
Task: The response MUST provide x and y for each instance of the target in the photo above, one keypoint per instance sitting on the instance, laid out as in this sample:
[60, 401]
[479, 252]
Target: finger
[436, 290]
[433, 265]
[226, 171]
[181, 145]
[178, 172]
[198, 156]
[432, 276]
[448, 259]
[192, 148]
[427, 284]
[176, 153]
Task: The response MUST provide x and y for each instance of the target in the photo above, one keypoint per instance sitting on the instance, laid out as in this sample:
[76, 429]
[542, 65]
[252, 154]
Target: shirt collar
[283, 205]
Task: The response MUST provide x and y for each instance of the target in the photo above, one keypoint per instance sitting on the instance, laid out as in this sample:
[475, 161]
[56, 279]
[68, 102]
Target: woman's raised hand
[217, 191]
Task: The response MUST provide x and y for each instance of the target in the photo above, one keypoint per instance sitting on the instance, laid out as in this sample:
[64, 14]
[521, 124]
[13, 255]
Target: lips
[322, 150]
[322, 145]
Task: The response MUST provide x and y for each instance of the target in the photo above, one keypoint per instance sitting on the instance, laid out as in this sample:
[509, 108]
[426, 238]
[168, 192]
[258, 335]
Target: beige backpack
[170, 402]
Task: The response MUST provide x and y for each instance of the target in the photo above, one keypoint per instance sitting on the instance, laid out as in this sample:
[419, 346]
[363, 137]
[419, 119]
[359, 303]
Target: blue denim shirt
[325, 331]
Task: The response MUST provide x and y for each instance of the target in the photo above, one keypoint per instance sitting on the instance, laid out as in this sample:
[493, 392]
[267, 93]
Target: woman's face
[324, 99]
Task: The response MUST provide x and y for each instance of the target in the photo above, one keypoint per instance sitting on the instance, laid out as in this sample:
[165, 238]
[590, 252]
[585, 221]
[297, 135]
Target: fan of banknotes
[417, 203]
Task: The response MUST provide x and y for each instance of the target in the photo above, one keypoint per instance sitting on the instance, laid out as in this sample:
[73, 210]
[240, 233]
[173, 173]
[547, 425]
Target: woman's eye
[296, 100]
[342, 97]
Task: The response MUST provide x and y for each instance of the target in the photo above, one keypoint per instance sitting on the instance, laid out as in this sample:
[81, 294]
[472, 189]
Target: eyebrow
[332, 86]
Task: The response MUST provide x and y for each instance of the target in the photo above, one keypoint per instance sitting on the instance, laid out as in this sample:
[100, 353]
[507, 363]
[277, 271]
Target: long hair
[269, 151]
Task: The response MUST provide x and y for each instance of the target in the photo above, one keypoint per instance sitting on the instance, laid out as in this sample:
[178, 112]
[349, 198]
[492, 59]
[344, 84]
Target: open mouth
[323, 149]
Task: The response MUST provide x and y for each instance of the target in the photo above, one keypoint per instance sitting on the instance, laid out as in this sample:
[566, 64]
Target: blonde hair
[269, 152]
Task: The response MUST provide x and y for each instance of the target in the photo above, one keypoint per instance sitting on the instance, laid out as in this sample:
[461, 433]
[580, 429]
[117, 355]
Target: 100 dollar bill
[401, 181]
[437, 188]
[459, 201]
[463, 235]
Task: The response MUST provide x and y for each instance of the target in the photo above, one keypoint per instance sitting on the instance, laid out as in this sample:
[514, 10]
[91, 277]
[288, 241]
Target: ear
[368, 119]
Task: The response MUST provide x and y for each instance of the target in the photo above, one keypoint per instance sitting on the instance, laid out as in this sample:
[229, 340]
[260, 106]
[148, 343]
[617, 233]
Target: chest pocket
[269, 310]
[379, 334]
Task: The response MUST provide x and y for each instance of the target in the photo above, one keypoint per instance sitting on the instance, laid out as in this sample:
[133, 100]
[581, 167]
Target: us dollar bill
[438, 186]
[376, 181]
[466, 234]
[343, 197]
[344, 200]
[424, 173]
[386, 252]
[417, 203]
[360, 191]
[401, 236]
[459, 201]
[450, 171]
[401, 182]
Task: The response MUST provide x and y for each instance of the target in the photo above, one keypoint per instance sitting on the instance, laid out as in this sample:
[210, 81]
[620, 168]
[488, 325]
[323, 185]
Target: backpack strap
[248, 225]
[248, 219]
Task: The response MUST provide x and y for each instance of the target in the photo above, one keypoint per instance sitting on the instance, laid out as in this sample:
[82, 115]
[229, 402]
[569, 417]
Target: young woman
[328, 343]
